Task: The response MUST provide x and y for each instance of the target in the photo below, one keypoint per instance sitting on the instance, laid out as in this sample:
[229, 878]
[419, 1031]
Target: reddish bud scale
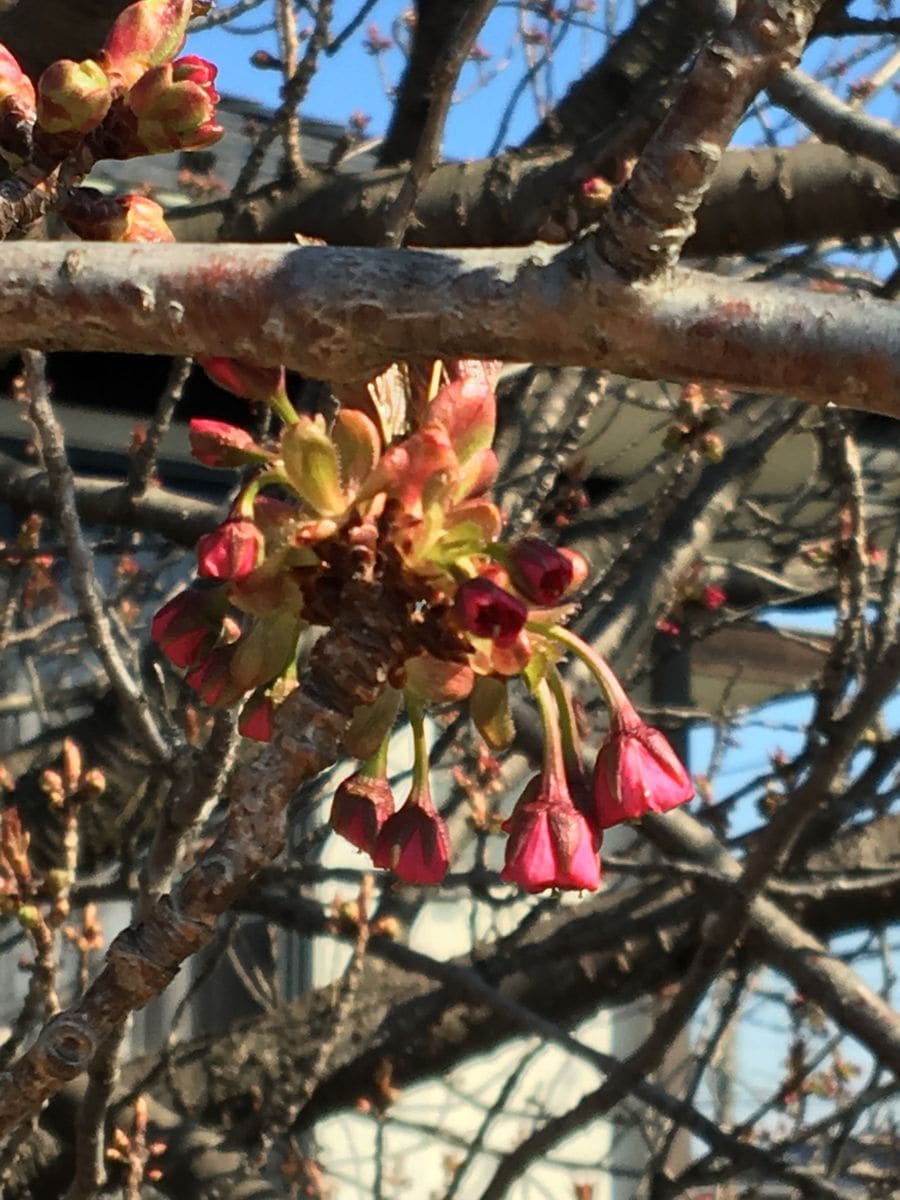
[256, 718]
[73, 97]
[637, 772]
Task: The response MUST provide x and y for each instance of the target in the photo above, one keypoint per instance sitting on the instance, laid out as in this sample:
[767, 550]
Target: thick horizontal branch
[181, 519]
[335, 313]
[758, 200]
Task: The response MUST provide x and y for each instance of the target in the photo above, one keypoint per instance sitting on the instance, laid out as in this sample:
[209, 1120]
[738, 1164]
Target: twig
[292, 94]
[90, 1140]
[81, 560]
[833, 121]
[288, 46]
[443, 80]
[143, 458]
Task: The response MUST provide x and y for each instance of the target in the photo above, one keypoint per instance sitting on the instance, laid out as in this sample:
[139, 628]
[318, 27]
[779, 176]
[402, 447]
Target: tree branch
[343, 314]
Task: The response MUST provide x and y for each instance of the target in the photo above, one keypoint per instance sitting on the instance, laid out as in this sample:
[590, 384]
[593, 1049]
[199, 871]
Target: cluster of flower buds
[320, 500]
[693, 429]
[134, 98]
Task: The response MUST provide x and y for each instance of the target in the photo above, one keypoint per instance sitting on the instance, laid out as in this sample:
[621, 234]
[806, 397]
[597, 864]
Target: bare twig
[81, 561]
[833, 121]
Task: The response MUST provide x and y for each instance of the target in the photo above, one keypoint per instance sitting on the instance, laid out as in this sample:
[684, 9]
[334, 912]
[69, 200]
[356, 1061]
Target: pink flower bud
[550, 843]
[186, 628]
[539, 571]
[73, 97]
[231, 551]
[217, 444]
[144, 35]
[361, 806]
[636, 772]
[245, 379]
[596, 191]
[714, 597]
[414, 842]
[16, 89]
[175, 107]
[489, 612]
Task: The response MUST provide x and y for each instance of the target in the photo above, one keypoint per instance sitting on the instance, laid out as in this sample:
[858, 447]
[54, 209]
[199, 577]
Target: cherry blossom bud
[539, 571]
[488, 611]
[217, 444]
[72, 97]
[714, 597]
[636, 772]
[414, 842]
[17, 111]
[144, 35]
[361, 806]
[596, 191]
[186, 628]
[712, 447]
[175, 107]
[248, 380]
[550, 843]
[231, 551]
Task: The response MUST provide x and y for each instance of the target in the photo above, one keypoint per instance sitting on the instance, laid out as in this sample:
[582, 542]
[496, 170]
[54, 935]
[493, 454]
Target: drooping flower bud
[540, 572]
[72, 97]
[636, 772]
[414, 843]
[231, 551]
[550, 843]
[186, 628]
[248, 380]
[362, 804]
[487, 611]
[217, 444]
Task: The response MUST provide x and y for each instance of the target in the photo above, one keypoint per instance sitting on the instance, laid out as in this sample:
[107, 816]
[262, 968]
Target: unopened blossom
[636, 772]
[488, 611]
[186, 627]
[539, 571]
[231, 551]
[248, 380]
[362, 804]
[550, 842]
[218, 444]
[414, 842]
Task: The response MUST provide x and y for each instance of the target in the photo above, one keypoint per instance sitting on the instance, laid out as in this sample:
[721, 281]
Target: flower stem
[613, 693]
[421, 782]
[283, 408]
[554, 763]
[571, 742]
